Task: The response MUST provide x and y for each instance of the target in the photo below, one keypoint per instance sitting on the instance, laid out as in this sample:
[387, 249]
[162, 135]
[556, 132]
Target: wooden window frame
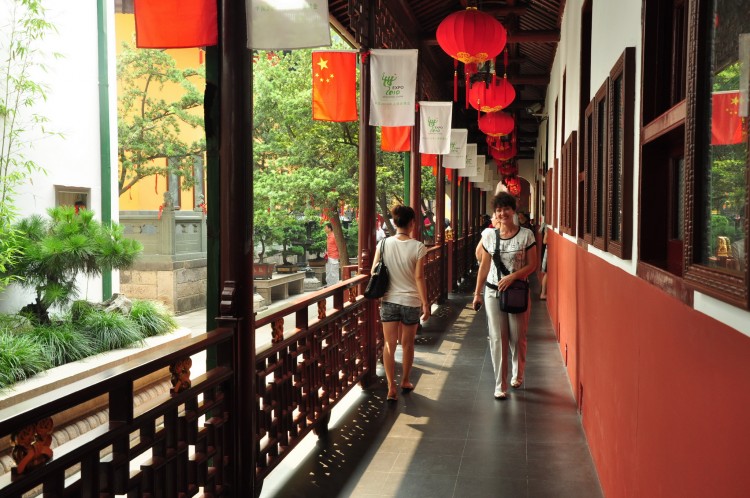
[587, 220]
[620, 184]
[599, 185]
[569, 184]
[729, 287]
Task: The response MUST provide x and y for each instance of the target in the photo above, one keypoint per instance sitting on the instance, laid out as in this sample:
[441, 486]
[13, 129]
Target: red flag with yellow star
[334, 86]
[726, 124]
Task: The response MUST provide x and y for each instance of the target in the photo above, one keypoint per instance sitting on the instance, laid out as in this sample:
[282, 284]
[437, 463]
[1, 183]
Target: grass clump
[152, 318]
[63, 342]
[111, 330]
[20, 358]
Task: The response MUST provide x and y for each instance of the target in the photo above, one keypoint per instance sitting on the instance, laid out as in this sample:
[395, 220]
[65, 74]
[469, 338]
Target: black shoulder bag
[514, 299]
[378, 284]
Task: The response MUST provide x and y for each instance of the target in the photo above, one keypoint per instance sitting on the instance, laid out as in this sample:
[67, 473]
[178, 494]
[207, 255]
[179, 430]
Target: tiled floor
[450, 437]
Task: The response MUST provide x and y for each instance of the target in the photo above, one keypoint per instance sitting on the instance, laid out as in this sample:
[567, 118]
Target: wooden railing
[434, 273]
[300, 378]
[184, 441]
[176, 445]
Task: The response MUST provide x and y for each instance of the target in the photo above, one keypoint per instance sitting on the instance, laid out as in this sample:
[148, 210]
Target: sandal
[516, 384]
[501, 396]
[407, 388]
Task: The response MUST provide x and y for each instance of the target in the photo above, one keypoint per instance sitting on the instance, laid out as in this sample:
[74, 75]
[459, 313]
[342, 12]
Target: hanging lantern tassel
[468, 77]
[455, 80]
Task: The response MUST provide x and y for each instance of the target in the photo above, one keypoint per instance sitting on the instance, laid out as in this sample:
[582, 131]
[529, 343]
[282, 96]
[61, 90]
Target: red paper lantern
[494, 98]
[471, 36]
[514, 185]
[507, 169]
[496, 124]
[504, 153]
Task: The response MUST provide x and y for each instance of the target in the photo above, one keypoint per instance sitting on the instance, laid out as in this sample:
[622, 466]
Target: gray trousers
[506, 331]
[333, 271]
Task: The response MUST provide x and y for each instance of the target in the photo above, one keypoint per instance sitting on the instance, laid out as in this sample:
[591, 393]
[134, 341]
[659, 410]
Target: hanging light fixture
[472, 37]
[497, 124]
[495, 97]
[505, 152]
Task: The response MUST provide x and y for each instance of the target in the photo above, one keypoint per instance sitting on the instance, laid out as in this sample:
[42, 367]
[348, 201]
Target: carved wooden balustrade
[306, 370]
[176, 446]
[434, 273]
[461, 261]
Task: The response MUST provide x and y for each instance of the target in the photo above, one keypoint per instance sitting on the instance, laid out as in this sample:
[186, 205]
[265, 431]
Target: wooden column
[415, 178]
[367, 211]
[440, 227]
[440, 204]
[236, 248]
[454, 228]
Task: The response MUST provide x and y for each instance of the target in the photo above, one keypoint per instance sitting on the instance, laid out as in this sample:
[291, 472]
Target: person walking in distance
[333, 267]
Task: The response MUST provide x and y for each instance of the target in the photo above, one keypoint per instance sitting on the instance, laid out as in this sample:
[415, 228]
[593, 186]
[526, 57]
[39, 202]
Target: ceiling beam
[516, 10]
[530, 36]
[538, 36]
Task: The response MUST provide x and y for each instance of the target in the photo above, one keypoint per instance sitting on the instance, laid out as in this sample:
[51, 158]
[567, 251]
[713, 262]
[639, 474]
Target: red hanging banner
[395, 138]
[175, 23]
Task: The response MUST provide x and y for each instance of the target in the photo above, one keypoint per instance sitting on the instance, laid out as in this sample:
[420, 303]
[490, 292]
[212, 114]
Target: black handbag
[515, 298]
[378, 284]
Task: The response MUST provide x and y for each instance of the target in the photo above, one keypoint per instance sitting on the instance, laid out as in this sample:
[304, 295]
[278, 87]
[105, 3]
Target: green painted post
[104, 132]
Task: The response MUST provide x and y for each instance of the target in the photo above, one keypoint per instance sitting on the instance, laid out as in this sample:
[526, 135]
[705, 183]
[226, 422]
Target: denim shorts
[392, 312]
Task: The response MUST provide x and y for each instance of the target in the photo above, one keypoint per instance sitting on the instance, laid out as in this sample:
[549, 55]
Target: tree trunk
[338, 233]
[386, 213]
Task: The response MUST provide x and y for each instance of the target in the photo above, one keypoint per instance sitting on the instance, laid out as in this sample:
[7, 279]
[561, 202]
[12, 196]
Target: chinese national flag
[175, 23]
[429, 160]
[395, 138]
[334, 86]
[726, 124]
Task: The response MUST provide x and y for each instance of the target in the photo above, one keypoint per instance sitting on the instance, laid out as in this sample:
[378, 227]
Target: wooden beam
[531, 36]
[539, 36]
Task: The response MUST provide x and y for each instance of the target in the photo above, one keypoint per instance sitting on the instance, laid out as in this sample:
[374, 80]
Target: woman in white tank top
[405, 301]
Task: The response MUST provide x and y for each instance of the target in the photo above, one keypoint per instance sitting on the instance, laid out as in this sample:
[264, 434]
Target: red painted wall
[666, 390]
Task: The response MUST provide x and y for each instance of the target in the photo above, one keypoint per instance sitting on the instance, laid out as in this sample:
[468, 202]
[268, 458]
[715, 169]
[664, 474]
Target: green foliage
[148, 126]
[79, 309]
[20, 94]
[152, 318]
[55, 251]
[62, 342]
[111, 330]
[351, 234]
[20, 358]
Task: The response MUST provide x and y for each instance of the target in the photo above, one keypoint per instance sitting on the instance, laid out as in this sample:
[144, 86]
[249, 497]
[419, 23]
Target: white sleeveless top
[401, 258]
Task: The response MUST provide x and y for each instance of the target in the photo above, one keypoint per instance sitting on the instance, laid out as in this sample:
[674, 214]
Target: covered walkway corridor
[450, 437]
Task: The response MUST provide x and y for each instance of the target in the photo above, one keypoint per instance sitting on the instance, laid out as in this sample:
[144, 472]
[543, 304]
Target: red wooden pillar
[367, 210]
[454, 230]
[235, 232]
[440, 227]
[415, 178]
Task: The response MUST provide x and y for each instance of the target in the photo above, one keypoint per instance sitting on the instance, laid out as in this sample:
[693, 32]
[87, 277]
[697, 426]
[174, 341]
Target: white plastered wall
[72, 109]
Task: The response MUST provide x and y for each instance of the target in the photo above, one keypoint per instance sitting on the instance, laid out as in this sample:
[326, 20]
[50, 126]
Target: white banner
[478, 177]
[456, 159]
[393, 85]
[287, 24]
[435, 127]
[471, 161]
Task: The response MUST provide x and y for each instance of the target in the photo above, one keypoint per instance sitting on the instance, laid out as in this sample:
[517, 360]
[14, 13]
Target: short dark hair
[504, 199]
[402, 215]
[329, 226]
